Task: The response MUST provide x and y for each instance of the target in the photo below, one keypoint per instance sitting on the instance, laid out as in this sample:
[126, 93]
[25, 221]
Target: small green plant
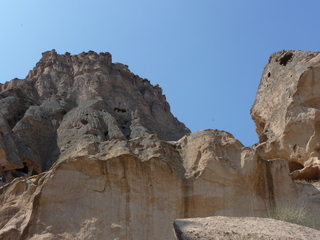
[302, 181]
[293, 213]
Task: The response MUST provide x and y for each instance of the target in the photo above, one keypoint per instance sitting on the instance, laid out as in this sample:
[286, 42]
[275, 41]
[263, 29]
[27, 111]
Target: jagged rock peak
[71, 100]
[73, 64]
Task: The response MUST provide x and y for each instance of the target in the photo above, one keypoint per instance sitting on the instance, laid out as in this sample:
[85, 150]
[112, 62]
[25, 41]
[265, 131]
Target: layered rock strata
[69, 100]
[286, 112]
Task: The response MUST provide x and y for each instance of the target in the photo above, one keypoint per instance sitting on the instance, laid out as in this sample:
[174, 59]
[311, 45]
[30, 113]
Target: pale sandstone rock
[122, 165]
[243, 228]
[67, 100]
[286, 112]
[134, 189]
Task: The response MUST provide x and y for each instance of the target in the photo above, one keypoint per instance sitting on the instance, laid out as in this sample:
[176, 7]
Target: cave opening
[286, 58]
[25, 168]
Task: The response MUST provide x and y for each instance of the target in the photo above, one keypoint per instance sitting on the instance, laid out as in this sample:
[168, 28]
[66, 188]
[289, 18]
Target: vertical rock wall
[134, 189]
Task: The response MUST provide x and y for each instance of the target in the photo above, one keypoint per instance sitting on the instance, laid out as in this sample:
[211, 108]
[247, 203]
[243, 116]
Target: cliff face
[287, 112]
[67, 101]
[121, 166]
[134, 189]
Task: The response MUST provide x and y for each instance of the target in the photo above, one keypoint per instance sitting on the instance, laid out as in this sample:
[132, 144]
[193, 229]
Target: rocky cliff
[91, 151]
[70, 100]
[287, 112]
[134, 189]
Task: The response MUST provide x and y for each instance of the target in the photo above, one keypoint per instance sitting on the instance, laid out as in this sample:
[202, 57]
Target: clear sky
[207, 55]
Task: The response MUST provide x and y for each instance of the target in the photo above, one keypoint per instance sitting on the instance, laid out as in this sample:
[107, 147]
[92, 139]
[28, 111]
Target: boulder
[241, 228]
[286, 112]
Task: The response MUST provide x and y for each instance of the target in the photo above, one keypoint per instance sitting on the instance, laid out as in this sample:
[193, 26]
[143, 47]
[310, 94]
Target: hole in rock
[124, 125]
[294, 166]
[63, 112]
[84, 122]
[106, 135]
[286, 58]
[25, 169]
[120, 110]
[269, 74]
[263, 137]
[295, 148]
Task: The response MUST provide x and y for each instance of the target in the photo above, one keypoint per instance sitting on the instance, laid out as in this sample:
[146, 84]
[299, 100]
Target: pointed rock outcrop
[69, 100]
[286, 112]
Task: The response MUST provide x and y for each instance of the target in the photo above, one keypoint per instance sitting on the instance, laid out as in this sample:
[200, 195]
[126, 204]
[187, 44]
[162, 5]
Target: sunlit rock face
[134, 189]
[67, 100]
[287, 112]
[88, 150]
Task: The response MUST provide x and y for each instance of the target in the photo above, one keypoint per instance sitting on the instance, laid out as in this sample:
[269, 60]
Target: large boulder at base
[134, 189]
[67, 100]
[286, 112]
[241, 228]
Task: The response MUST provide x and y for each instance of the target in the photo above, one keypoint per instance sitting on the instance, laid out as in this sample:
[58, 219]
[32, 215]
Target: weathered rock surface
[287, 112]
[119, 164]
[243, 228]
[134, 189]
[67, 100]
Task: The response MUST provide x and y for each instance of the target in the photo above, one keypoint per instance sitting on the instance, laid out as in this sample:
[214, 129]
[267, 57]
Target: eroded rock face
[121, 166]
[67, 100]
[287, 112]
[134, 189]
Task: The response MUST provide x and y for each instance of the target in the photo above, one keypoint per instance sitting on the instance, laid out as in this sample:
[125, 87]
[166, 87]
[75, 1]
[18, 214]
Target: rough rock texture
[119, 164]
[67, 100]
[243, 228]
[287, 112]
[134, 189]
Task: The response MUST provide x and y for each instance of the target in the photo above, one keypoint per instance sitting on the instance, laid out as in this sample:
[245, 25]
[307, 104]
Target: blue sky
[207, 55]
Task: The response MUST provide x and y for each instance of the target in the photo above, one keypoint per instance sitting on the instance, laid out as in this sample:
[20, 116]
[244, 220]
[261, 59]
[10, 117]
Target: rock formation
[68, 100]
[243, 228]
[134, 189]
[91, 151]
[286, 112]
